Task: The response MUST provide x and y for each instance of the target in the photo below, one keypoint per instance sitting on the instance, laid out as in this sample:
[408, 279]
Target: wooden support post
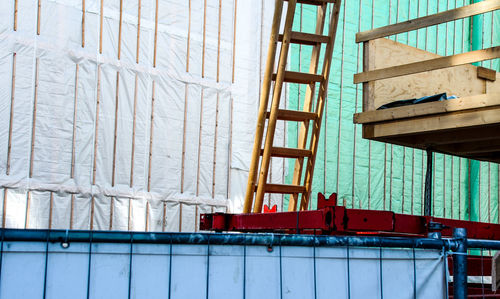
[264, 99]
[120, 30]
[134, 125]
[218, 40]
[234, 38]
[38, 17]
[11, 118]
[183, 163]
[96, 133]
[27, 212]
[115, 136]
[204, 39]
[138, 32]
[215, 144]
[83, 23]
[101, 16]
[151, 137]
[188, 38]
[16, 5]
[156, 34]
[199, 145]
[4, 210]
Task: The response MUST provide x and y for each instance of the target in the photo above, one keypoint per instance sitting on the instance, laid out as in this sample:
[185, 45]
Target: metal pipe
[460, 264]
[267, 239]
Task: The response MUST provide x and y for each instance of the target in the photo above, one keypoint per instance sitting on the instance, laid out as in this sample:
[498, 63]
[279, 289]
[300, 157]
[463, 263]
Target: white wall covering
[224, 271]
[93, 140]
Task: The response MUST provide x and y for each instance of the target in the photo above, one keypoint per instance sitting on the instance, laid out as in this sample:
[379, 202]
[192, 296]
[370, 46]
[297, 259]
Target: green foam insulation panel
[373, 175]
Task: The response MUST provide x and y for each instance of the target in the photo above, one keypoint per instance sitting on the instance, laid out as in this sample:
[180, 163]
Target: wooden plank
[484, 73]
[301, 78]
[306, 38]
[470, 148]
[285, 152]
[420, 125]
[264, 100]
[443, 17]
[283, 189]
[467, 103]
[428, 65]
[293, 115]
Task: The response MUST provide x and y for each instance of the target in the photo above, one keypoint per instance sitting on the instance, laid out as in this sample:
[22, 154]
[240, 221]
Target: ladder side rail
[264, 99]
[271, 126]
[320, 106]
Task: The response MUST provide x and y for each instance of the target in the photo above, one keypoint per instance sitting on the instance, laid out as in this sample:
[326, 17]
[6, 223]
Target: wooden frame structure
[466, 127]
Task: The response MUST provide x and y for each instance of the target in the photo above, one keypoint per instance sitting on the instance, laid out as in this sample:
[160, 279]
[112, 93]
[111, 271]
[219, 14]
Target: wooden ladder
[257, 185]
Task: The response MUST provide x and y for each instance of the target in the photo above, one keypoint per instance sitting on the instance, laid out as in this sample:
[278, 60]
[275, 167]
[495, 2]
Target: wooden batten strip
[218, 40]
[129, 218]
[33, 125]
[113, 172]
[11, 117]
[234, 38]
[16, 5]
[164, 218]
[4, 212]
[188, 37]
[138, 32]
[230, 150]
[96, 133]
[101, 20]
[120, 30]
[215, 144]
[156, 34]
[183, 162]
[38, 17]
[151, 137]
[73, 141]
[111, 210]
[51, 208]
[92, 204]
[196, 218]
[72, 212]
[83, 23]
[442, 17]
[134, 125]
[428, 65]
[27, 212]
[204, 39]
[147, 216]
[199, 145]
[180, 217]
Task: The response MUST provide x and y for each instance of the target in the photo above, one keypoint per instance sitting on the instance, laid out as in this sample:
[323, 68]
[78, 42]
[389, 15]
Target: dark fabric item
[428, 99]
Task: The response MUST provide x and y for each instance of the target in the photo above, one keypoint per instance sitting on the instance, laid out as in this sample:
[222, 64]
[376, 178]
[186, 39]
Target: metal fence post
[460, 264]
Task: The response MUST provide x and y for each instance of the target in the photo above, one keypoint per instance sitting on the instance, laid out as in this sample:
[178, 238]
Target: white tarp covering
[226, 272]
[92, 140]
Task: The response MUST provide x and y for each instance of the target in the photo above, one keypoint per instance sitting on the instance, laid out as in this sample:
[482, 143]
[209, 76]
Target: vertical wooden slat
[83, 23]
[101, 20]
[215, 144]
[151, 137]
[92, 204]
[204, 39]
[134, 124]
[322, 94]
[129, 218]
[16, 2]
[147, 217]
[218, 39]
[11, 117]
[33, 125]
[199, 145]
[264, 100]
[120, 30]
[188, 37]
[111, 211]
[308, 101]
[73, 141]
[38, 16]
[196, 218]
[234, 38]
[164, 219]
[156, 34]
[230, 149]
[4, 212]
[51, 207]
[180, 217]
[72, 211]
[27, 212]
[183, 162]
[115, 136]
[96, 133]
[138, 32]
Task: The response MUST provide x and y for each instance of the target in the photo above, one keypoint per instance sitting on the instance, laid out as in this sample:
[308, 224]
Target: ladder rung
[315, 2]
[285, 189]
[294, 115]
[306, 38]
[297, 77]
[285, 152]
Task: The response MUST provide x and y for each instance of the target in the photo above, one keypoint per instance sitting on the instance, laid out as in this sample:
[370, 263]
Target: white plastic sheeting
[109, 127]
[226, 272]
